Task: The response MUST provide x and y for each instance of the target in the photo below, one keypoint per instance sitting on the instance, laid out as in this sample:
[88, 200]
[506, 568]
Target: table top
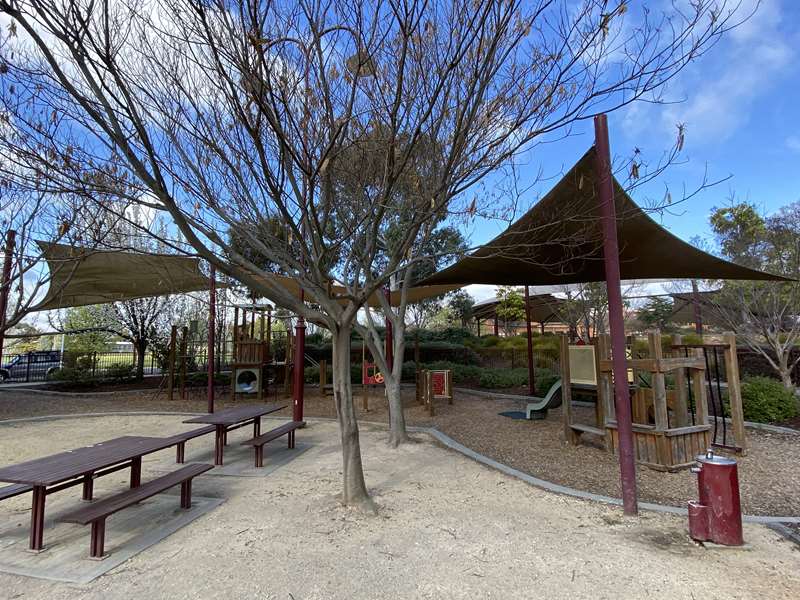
[56, 468]
[237, 414]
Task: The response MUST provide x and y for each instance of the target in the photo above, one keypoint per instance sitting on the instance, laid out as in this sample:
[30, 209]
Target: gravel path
[447, 528]
[769, 475]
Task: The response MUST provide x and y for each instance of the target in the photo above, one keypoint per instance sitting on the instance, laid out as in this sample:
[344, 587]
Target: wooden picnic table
[57, 472]
[232, 418]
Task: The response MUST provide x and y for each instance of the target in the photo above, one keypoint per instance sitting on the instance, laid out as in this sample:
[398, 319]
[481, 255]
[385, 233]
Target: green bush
[120, 371]
[544, 380]
[200, 378]
[74, 375]
[765, 400]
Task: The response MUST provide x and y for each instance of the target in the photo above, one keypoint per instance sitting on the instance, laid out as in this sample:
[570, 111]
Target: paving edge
[449, 442]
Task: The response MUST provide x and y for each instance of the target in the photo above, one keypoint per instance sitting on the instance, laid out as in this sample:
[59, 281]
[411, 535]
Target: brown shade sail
[559, 241]
[81, 276]
[543, 308]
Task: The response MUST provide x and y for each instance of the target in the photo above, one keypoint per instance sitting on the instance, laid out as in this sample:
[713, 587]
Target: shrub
[74, 375]
[765, 400]
[200, 378]
[544, 380]
[120, 371]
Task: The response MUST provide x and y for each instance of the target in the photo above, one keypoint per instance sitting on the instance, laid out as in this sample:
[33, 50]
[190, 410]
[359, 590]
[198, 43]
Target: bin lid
[710, 458]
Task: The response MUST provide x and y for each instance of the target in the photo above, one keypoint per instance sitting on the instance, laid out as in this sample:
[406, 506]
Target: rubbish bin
[717, 515]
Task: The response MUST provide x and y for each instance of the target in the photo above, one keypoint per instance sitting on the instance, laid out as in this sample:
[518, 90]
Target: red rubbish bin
[717, 515]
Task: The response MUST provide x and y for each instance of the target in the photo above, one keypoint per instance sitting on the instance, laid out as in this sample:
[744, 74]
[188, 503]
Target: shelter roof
[559, 241]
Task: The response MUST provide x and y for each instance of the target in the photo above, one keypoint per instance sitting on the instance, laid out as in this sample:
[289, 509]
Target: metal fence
[44, 365]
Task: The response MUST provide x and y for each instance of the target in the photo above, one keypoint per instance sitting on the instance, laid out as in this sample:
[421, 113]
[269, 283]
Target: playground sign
[439, 384]
[370, 375]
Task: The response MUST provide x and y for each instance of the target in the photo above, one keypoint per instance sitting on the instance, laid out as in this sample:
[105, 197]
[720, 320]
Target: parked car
[31, 366]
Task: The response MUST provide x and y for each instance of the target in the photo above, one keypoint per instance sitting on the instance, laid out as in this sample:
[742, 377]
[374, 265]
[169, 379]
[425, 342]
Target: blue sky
[740, 104]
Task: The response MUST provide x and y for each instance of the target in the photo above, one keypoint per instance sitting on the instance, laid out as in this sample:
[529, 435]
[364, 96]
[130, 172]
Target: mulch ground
[769, 475]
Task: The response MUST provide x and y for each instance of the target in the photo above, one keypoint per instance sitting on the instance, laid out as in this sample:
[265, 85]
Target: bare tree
[229, 116]
[764, 315]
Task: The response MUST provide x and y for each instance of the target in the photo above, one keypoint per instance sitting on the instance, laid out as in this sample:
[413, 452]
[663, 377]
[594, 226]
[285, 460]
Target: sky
[740, 105]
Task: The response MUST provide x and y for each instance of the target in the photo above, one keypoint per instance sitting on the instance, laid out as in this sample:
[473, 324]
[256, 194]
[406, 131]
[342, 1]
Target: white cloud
[721, 88]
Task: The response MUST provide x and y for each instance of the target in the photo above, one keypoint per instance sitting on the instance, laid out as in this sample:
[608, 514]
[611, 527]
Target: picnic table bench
[258, 441]
[57, 472]
[233, 418]
[97, 512]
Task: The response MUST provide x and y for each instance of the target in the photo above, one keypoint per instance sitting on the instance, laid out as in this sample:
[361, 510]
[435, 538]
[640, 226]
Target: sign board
[439, 384]
[370, 374]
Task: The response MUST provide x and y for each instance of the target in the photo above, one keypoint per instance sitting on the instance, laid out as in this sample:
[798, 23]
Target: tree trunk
[354, 491]
[397, 419]
[785, 371]
[141, 348]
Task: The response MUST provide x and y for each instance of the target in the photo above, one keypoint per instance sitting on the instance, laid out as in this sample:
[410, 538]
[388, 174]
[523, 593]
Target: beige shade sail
[559, 241]
[82, 276]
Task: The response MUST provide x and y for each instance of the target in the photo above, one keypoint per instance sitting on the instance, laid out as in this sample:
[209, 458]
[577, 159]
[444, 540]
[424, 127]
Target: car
[31, 366]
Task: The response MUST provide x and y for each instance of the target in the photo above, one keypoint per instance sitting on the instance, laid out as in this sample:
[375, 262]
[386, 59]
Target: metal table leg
[37, 518]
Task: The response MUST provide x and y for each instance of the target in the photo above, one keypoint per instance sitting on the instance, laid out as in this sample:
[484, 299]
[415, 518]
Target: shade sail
[543, 308]
[559, 241]
[81, 276]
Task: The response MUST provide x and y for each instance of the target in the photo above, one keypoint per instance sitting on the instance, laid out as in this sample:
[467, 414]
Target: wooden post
[681, 412]
[658, 382]
[450, 391]
[698, 315]
[699, 391]
[605, 388]
[184, 342]
[323, 376]
[365, 398]
[429, 392]
[531, 375]
[287, 379]
[173, 334]
[234, 350]
[734, 390]
[566, 392]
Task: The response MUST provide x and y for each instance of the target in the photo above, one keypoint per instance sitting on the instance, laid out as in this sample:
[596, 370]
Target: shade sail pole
[5, 285]
[531, 382]
[698, 316]
[605, 191]
[212, 330]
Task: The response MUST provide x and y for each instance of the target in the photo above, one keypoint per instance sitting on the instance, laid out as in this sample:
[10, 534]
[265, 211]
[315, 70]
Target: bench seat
[258, 442]
[10, 491]
[185, 436]
[97, 512]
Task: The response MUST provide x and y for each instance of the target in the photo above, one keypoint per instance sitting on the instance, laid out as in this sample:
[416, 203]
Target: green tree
[92, 322]
[461, 304]
[657, 313]
[764, 315]
[510, 307]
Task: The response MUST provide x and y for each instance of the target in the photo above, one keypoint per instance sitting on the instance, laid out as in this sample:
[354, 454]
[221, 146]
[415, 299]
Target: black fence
[46, 365]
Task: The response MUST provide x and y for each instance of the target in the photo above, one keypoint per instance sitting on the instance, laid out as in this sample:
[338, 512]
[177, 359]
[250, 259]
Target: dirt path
[533, 447]
[447, 528]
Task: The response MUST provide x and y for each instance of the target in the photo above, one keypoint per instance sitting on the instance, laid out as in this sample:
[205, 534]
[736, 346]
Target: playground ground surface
[447, 527]
[769, 475]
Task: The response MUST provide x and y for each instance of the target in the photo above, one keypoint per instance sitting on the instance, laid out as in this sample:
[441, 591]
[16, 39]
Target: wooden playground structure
[669, 394]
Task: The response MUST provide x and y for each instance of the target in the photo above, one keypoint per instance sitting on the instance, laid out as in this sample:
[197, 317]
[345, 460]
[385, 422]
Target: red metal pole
[698, 317]
[531, 382]
[605, 190]
[212, 326]
[5, 284]
[299, 361]
[389, 336]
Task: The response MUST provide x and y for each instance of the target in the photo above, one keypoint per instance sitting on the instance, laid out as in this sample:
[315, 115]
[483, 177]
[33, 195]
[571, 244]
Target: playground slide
[537, 409]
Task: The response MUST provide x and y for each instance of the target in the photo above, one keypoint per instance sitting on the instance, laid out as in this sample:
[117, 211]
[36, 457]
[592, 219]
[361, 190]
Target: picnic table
[233, 418]
[57, 472]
